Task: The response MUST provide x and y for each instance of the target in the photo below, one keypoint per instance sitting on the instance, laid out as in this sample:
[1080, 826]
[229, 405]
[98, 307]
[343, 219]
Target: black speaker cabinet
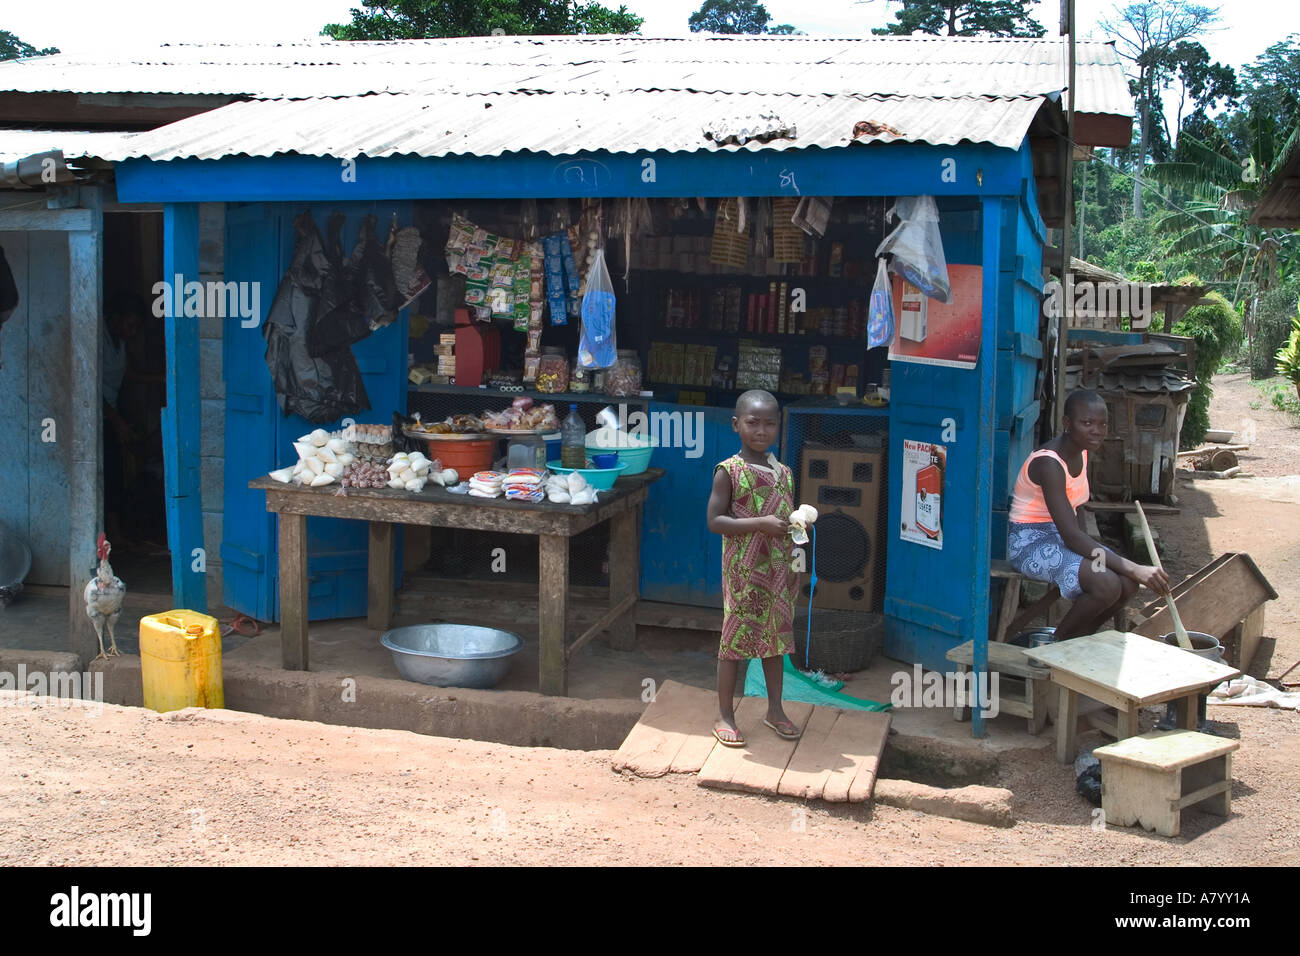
[844, 485]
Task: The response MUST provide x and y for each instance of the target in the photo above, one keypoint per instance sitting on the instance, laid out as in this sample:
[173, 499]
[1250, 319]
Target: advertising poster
[922, 505]
[932, 333]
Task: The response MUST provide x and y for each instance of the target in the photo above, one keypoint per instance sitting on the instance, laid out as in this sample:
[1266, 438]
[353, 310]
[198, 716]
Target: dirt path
[131, 787]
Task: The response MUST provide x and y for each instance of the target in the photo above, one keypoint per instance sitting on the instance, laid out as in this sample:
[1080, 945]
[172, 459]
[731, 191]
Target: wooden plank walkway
[835, 760]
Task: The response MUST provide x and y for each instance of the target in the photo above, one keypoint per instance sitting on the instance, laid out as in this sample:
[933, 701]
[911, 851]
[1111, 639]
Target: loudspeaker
[844, 484]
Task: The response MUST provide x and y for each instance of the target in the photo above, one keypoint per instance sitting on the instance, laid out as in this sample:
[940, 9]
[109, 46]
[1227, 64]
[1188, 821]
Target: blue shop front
[913, 493]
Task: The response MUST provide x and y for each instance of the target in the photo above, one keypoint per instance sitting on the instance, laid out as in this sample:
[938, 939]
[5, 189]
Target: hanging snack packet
[917, 247]
[556, 294]
[880, 314]
[596, 343]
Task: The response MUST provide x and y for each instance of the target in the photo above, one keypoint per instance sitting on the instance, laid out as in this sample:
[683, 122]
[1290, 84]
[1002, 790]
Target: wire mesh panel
[839, 459]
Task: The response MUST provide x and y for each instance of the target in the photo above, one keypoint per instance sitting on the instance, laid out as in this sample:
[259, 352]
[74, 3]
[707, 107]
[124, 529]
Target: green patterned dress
[757, 584]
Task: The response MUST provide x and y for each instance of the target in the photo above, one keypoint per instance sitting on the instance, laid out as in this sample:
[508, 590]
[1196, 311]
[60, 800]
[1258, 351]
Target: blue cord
[812, 589]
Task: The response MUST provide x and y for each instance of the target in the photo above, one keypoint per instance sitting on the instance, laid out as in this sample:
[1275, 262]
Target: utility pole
[1067, 196]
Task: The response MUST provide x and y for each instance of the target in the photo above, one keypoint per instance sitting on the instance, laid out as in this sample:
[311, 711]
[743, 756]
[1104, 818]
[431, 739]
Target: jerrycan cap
[194, 630]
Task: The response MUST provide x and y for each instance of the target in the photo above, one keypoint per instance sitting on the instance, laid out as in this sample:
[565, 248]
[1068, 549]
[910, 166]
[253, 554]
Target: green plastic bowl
[602, 479]
[635, 457]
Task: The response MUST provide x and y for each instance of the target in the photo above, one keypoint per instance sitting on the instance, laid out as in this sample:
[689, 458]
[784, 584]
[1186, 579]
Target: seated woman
[1045, 536]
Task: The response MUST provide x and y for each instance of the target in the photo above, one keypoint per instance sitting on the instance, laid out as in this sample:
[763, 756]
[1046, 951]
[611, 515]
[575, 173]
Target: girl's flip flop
[739, 741]
[784, 729]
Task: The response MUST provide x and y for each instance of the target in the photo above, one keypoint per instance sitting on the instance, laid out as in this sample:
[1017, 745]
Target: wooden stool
[1150, 779]
[1008, 621]
[1010, 660]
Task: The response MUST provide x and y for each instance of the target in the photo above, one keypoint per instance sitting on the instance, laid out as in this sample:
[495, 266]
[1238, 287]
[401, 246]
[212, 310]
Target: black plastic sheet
[320, 388]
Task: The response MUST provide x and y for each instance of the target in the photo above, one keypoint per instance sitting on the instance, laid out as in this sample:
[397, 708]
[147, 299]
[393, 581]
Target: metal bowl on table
[452, 655]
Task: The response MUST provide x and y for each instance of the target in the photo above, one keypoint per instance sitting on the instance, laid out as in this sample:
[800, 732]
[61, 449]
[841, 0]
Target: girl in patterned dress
[753, 496]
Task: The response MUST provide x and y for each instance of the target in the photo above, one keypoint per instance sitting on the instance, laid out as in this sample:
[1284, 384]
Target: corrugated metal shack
[976, 123]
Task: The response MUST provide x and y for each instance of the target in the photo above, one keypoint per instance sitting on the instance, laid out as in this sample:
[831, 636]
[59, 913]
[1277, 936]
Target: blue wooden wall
[259, 247]
[33, 391]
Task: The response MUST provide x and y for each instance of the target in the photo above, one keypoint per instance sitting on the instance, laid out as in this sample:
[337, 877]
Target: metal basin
[15, 563]
[452, 655]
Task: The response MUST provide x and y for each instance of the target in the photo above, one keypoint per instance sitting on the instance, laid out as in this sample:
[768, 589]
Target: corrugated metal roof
[915, 66]
[1280, 206]
[562, 123]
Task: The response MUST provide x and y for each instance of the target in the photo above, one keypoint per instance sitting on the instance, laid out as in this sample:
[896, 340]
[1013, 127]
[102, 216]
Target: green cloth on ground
[799, 686]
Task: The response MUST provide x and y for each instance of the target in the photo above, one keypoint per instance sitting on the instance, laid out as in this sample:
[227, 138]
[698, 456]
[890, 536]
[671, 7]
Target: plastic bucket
[466, 457]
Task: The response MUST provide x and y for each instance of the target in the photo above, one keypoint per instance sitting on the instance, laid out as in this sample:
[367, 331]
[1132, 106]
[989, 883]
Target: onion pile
[364, 474]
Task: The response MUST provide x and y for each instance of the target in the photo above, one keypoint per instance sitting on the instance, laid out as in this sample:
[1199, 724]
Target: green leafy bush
[1288, 356]
[1273, 317]
[1215, 327]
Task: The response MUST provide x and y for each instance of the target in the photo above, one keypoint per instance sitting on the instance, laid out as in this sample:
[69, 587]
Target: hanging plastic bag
[917, 247]
[596, 348]
[880, 315]
[336, 321]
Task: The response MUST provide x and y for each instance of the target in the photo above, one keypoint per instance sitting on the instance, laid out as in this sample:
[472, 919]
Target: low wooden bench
[1007, 659]
[1151, 778]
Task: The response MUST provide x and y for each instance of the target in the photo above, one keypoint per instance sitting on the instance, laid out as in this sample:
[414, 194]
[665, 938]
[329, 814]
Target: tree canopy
[998, 18]
[436, 19]
[12, 48]
[735, 16]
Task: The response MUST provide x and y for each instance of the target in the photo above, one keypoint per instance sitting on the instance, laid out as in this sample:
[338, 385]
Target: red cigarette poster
[922, 504]
[932, 333]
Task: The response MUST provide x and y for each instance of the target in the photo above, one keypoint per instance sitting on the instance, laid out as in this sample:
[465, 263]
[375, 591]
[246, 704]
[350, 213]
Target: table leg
[624, 577]
[1126, 722]
[1067, 726]
[552, 613]
[1187, 712]
[293, 592]
[379, 582]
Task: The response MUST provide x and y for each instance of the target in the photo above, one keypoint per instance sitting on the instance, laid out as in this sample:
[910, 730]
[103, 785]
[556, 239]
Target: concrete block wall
[212, 397]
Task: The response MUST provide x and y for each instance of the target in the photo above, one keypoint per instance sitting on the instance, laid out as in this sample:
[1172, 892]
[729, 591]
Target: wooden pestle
[1180, 632]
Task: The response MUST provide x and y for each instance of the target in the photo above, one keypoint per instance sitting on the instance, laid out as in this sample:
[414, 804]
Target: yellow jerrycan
[180, 660]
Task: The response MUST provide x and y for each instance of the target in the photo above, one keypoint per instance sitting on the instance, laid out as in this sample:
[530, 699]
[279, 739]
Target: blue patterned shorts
[1038, 551]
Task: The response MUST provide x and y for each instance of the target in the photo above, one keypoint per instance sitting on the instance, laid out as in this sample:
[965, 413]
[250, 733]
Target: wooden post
[379, 582]
[85, 425]
[181, 417]
[552, 613]
[293, 591]
[624, 574]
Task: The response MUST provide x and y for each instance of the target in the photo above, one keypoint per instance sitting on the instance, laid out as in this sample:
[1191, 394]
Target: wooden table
[553, 524]
[1127, 672]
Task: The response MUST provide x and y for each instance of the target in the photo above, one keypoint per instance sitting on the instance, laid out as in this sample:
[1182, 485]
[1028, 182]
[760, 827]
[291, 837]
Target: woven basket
[842, 641]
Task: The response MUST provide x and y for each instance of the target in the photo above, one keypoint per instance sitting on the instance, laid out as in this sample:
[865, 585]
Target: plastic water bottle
[573, 440]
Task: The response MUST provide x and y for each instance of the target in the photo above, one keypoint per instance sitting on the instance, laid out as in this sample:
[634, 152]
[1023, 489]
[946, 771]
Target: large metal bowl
[452, 655]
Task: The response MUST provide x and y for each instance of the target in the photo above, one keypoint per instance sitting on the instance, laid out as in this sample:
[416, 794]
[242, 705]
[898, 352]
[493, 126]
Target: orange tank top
[1027, 503]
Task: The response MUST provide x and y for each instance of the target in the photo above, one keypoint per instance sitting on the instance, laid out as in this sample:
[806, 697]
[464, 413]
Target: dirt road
[133, 787]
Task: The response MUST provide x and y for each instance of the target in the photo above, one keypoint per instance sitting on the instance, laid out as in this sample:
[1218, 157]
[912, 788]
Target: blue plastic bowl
[602, 479]
[607, 460]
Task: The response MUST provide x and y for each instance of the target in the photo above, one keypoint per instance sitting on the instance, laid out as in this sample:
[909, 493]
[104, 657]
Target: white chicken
[105, 593]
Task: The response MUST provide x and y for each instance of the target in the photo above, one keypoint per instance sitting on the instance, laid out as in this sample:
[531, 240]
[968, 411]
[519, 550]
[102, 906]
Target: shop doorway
[134, 391]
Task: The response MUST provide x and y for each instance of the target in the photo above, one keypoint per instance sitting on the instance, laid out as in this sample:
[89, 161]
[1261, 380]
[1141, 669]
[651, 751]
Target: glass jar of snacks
[623, 378]
[553, 370]
[579, 378]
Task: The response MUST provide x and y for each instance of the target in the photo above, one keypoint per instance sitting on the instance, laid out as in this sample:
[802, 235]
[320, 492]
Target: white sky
[90, 25]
